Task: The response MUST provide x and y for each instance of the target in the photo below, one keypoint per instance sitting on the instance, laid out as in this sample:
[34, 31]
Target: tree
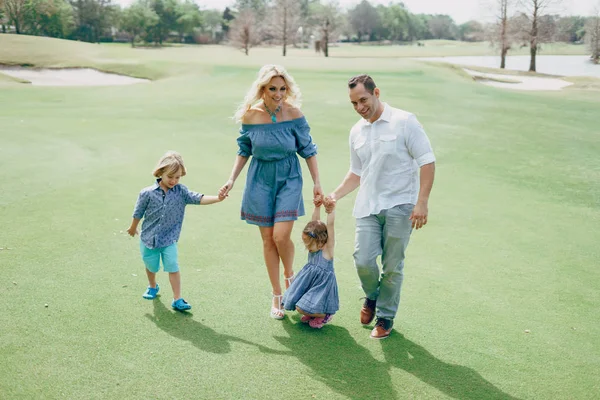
[137, 19]
[53, 18]
[442, 27]
[396, 21]
[243, 31]
[592, 35]
[570, 29]
[471, 31]
[364, 19]
[92, 18]
[501, 33]
[286, 15]
[535, 11]
[189, 18]
[168, 14]
[326, 20]
[227, 18]
[15, 13]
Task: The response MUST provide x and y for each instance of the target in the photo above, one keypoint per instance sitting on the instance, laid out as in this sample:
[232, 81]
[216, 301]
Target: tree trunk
[326, 38]
[532, 51]
[285, 29]
[503, 57]
[533, 41]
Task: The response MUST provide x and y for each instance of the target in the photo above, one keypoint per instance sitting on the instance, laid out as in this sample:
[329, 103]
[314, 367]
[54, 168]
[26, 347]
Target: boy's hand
[329, 204]
[222, 196]
[318, 200]
[132, 231]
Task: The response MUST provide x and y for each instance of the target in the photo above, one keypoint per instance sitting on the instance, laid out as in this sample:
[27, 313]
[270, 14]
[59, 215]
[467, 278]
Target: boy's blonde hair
[170, 163]
[254, 95]
[317, 233]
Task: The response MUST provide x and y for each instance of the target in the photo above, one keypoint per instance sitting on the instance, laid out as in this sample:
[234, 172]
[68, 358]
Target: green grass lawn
[502, 288]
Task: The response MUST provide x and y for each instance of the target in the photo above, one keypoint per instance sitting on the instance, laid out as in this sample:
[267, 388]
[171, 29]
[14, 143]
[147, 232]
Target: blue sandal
[151, 293]
[180, 305]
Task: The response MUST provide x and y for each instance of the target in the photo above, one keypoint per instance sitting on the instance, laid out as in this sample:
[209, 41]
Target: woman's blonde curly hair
[254, 95]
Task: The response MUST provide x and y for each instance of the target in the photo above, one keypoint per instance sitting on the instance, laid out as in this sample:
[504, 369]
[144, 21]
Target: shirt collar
[156, 185]
[386, 115]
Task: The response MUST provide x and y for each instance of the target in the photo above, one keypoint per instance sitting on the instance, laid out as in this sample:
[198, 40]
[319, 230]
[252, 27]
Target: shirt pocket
[388, 143]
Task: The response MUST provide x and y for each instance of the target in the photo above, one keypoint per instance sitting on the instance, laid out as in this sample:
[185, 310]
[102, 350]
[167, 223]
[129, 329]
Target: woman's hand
[224, 191]
[317, 191]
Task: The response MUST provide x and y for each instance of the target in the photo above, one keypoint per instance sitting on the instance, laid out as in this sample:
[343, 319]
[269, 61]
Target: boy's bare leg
[175, 279]
[151, 278]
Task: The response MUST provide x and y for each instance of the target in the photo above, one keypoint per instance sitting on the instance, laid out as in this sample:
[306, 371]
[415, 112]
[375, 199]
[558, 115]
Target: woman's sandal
[289, 281]
[278, 313]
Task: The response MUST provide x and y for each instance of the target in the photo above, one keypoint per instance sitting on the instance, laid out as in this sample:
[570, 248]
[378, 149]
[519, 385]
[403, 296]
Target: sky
[460, 10]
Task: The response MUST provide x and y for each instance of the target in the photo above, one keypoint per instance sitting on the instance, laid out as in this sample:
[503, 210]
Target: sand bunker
[69, 77]
[521, 82]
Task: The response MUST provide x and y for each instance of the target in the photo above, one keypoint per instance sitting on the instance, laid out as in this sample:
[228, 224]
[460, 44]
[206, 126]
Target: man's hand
[419, 215]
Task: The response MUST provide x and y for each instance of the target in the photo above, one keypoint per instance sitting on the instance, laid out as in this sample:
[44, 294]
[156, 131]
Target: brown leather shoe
[367, 312]
[383, 328]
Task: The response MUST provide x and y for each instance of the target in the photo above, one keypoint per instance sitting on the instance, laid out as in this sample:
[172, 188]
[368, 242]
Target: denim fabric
[386, 234]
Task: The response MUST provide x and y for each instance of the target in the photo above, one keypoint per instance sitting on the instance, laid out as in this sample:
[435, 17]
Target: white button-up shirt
[387, 155]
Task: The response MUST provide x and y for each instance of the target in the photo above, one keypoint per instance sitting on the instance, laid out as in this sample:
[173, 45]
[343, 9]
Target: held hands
[318, 201]
[329, 203]
[224, 191]
[317, 191]
[419, 215]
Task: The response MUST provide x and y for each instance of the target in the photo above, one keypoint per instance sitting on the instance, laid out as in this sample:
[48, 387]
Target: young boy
[162, 206]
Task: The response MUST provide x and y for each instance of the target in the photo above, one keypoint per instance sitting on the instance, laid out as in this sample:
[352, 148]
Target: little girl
[162, 206]
[314, 292]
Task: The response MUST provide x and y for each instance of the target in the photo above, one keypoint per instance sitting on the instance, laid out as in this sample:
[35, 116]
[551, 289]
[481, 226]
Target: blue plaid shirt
[163, 213]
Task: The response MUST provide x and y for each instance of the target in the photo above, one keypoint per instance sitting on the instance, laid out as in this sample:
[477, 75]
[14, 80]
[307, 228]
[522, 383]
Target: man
[388, 147]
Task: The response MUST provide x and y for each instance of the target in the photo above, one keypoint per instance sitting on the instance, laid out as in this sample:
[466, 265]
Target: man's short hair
[365, 79]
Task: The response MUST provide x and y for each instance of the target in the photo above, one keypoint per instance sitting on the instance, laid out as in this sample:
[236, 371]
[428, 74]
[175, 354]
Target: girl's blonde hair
[254, 95]
[317, 232]
[170, 163]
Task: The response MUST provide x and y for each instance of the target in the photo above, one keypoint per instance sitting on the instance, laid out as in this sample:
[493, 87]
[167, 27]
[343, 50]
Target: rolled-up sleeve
[418, 143]
[141, 204]
[244, 144]
[304, 144]
[190, 197]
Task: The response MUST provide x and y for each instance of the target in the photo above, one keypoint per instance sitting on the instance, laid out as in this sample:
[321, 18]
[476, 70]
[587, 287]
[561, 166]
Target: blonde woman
[273, 131]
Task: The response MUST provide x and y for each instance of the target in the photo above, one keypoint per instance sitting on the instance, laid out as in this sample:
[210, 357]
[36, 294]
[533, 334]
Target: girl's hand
[329, 204]
[224, 191]
[132, 231]
[318, 201]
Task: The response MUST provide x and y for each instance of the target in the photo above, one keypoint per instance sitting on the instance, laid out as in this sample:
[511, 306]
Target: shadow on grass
[454, 380]
[183, 326]
[350, 369]
[338, 361]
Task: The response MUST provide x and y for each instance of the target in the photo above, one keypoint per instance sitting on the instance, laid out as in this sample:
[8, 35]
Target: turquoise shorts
[152, 257]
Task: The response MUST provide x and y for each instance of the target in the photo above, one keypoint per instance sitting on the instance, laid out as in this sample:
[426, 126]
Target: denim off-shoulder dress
[273, 191]
[315, 289]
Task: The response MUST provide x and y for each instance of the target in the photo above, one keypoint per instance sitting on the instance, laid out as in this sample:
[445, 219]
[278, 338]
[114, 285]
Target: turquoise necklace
[273, 114]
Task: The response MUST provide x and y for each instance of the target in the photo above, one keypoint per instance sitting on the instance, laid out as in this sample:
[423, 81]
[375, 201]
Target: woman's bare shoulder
[254, 115]
[294, 112]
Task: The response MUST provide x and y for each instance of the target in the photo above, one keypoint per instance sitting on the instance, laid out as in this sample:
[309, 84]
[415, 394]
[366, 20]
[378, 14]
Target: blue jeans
[386, 234]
